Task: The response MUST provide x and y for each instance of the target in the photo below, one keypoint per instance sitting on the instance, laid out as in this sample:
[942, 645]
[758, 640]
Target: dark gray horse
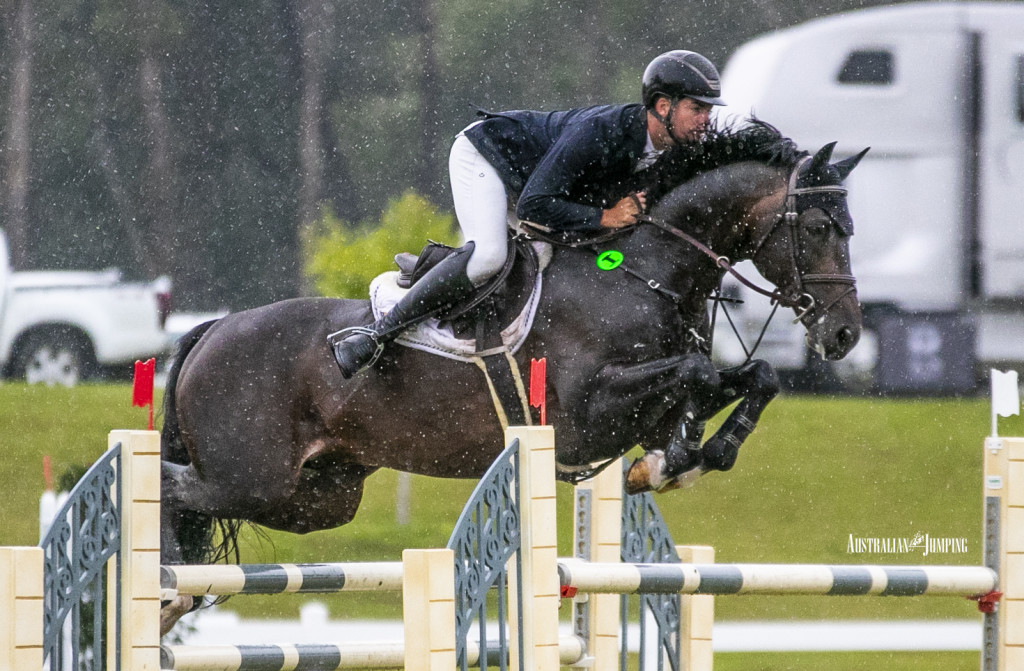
[260, 426]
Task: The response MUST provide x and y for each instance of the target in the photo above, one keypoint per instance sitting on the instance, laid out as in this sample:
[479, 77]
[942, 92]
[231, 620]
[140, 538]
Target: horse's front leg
[625, 400]
[757, 383]
[684, 458]
[643, 403]
[676, 457]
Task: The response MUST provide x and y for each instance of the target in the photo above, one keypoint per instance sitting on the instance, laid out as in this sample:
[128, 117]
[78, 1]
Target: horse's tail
[171, 447]
[195, 530]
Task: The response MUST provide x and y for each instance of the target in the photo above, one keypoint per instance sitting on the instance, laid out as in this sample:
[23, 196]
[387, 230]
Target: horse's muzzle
[833, 344]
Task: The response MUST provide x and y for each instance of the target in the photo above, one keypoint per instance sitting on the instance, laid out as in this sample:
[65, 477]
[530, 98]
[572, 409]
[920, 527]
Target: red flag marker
[142, 387]
[47, 473]
[538, 387]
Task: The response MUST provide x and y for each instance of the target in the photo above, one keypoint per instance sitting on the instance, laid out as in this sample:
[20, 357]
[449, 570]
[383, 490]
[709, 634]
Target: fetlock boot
[441, 287]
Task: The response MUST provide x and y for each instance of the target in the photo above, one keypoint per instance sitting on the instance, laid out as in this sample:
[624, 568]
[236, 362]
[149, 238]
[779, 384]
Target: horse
[260, 425]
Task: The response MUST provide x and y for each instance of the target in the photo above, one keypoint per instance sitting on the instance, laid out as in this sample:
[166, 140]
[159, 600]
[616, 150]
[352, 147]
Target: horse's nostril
[845, 336]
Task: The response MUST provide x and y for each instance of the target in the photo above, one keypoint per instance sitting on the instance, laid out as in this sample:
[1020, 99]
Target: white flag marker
[1005, 396]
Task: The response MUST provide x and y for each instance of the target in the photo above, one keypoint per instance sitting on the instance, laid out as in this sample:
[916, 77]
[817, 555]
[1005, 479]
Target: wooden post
[598, 538]
[697, 615]
[138, 617]
[428, 609]
[540, 587]
[1004, 551]
[21, 601]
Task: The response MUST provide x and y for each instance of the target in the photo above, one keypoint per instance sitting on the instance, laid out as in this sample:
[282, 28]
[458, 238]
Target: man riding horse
[260, 427]
[570, 171]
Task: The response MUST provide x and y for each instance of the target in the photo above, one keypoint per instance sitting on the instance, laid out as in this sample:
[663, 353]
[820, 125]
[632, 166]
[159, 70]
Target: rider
[569, 170]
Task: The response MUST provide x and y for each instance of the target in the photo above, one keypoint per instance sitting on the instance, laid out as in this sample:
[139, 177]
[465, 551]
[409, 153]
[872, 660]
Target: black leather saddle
[494, 305]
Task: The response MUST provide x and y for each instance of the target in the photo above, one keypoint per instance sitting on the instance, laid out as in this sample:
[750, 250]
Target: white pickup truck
[60, 327]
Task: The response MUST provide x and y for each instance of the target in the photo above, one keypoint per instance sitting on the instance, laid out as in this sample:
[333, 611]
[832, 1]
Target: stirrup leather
[338, 336]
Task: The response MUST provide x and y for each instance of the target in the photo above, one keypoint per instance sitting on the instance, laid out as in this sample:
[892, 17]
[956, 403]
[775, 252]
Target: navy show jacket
[564, 167]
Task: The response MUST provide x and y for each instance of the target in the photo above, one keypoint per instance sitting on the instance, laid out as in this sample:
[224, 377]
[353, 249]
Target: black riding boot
[441, 287]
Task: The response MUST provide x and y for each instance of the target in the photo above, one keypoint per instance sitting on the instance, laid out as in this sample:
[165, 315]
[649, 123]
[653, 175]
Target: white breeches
[481, 207]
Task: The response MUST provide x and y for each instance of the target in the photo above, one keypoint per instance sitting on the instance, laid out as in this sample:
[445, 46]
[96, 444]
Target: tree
[341, 260]
[17, 141]
[160, 184]
[311, 18]
[201, 139]
[428, 83]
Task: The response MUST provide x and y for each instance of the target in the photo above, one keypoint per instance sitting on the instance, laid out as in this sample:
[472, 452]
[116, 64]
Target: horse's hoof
[172, 612]
[646, 473]
[719, 454]
[684, 480]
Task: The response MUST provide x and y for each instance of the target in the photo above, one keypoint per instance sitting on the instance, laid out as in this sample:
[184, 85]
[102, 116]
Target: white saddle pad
[430, 336]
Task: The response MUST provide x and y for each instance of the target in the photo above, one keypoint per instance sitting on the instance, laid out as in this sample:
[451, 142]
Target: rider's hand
[625, 212]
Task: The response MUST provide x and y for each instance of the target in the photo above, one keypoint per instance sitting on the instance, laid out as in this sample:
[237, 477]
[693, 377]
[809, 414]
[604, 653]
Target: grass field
[816, 471]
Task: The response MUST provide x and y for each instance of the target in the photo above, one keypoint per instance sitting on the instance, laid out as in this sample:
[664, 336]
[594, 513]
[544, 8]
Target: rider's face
[690, 118]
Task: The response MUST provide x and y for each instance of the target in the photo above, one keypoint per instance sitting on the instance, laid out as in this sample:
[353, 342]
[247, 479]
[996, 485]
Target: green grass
[847, 661]
[69, 425]
[816, 471]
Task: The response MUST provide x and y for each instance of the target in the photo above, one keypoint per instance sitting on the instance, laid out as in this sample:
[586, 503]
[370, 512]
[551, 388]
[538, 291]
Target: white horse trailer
[937, 91]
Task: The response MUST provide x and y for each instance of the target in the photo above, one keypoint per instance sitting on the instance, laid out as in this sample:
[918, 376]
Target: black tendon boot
[441, 287]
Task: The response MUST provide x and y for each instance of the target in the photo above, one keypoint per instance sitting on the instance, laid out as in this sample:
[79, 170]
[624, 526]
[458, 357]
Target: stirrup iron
[338, 336]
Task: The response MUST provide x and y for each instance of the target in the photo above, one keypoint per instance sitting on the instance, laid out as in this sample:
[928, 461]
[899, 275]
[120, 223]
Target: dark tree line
[198, 139]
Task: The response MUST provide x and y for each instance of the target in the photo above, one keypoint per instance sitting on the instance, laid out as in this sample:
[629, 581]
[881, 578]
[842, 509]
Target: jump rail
[280, 578]
[602, 578]
[777, 579]
[327, 656]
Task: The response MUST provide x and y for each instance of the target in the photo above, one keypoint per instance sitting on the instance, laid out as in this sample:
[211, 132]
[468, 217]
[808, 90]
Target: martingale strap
[504, 381]
[506, 386]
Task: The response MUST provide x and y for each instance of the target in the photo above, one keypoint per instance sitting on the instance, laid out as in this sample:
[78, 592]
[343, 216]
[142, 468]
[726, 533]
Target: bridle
[795, 295]
[789, 216]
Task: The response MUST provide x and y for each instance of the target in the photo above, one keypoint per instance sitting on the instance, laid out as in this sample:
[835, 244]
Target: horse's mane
[752, 140]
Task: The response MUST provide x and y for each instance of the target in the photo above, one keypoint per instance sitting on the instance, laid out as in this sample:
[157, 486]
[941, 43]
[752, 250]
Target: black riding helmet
[681, 74]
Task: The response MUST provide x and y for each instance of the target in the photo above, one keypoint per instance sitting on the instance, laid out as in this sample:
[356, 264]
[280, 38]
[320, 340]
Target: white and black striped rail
[282, 657]
[721, 579]
[223, 579]
[324, 657]
[607, 578]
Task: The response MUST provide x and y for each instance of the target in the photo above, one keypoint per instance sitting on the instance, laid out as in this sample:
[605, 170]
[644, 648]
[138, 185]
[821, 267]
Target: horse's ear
[821, 159]
[847, 164]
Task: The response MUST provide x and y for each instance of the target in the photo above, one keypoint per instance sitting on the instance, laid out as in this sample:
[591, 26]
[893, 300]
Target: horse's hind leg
[185, 515]
[178, 530]
[326, 496]
[323, 498]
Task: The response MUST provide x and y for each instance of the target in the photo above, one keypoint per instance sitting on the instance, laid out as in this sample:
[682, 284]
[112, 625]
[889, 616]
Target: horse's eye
[816, 225]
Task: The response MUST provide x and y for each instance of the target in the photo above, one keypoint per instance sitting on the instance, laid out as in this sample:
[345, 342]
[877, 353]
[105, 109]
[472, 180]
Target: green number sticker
[609, 260]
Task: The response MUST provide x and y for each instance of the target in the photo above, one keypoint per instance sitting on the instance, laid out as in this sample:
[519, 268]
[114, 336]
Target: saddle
[492, 308]
[487, 328]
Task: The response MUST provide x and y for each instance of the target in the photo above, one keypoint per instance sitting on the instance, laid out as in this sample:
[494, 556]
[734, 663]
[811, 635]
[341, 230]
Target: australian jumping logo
[920, 542]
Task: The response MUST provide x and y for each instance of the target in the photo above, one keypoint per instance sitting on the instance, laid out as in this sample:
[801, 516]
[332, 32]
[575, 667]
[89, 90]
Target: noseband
[795, 296]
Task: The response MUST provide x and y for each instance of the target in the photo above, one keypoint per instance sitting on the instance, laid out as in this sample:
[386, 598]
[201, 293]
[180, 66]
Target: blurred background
[199, 139]
[238, 148]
